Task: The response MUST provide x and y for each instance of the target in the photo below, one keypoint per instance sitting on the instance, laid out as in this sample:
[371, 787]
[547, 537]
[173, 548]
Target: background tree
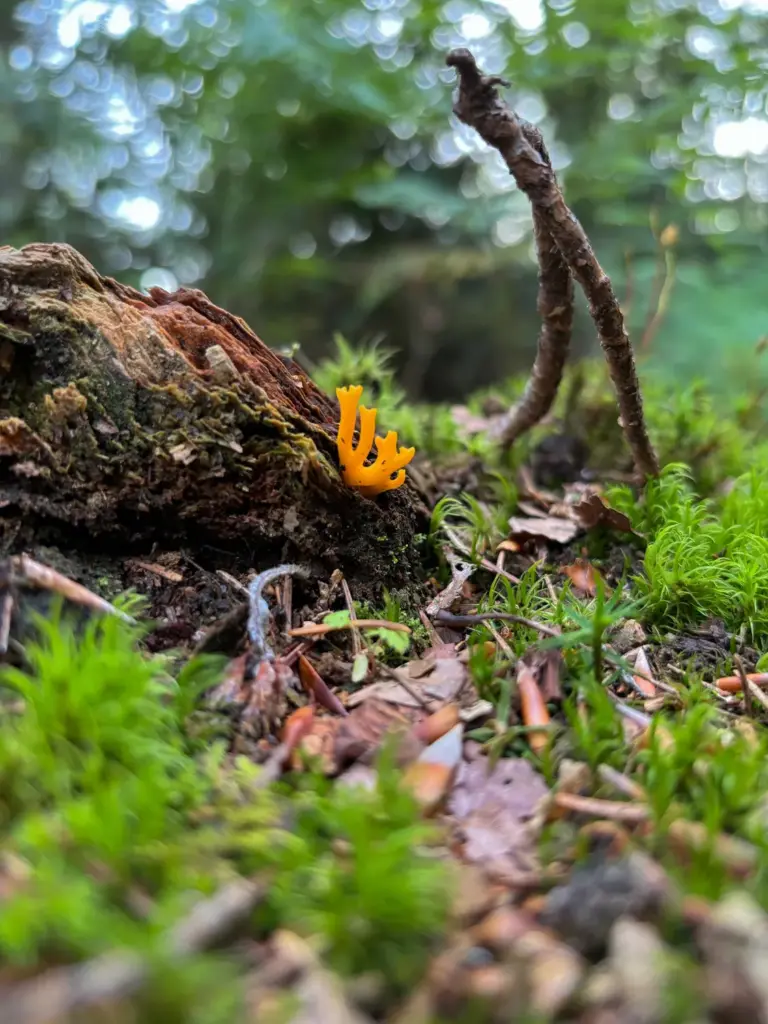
[299, 162]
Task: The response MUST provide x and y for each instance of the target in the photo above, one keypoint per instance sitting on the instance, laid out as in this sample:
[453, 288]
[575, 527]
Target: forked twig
[479, 106]
[555, 305]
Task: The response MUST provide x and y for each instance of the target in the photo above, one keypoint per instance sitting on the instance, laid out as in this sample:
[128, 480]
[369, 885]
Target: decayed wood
[130, 420]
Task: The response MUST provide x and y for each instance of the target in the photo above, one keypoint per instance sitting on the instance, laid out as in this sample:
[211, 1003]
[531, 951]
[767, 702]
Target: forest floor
[541, 796]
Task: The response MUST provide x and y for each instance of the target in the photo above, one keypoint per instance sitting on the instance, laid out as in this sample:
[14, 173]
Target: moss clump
[114, 821]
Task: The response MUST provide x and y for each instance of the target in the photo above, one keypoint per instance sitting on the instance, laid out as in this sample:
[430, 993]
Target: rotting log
[136, 424]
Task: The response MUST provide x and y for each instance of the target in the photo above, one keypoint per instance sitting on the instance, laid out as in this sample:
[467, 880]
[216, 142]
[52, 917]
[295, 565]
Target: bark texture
[134, 424]
[479, 106]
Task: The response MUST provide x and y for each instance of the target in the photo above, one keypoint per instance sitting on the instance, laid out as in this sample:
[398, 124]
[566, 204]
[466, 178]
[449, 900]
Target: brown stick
[555, 305]
[480, 107]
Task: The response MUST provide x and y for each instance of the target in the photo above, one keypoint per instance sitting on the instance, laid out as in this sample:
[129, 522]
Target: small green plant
[354, 875]
[592, 625]
[703, 560]
[596, 730]
[382, 640]
[369, 365]
[471, 527]
[105, 798]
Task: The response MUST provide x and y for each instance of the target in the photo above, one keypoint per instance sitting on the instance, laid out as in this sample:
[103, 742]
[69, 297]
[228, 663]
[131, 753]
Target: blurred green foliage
[300, 162]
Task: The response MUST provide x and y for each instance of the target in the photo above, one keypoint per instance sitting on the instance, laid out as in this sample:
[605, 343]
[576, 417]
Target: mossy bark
[134, 423]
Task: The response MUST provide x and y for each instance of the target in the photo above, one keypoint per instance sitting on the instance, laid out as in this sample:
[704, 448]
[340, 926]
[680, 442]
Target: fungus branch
[387, 472]
[480, 107]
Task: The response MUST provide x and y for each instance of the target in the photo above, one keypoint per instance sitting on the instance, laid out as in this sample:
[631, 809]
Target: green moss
[104, 794]
[704, 558]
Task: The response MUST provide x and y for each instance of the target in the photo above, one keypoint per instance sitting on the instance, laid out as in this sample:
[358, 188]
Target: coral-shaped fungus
[387, 472]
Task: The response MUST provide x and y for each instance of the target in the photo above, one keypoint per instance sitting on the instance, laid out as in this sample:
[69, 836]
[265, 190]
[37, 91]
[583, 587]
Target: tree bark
[133, 424]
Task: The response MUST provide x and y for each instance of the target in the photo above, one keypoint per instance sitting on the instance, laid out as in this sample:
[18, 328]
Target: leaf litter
[535, 721]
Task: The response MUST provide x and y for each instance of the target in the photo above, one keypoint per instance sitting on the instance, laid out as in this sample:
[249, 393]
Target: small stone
[637, 959]
[502, 928]
[734, 941]
[573, 776]
[553, 971]
[585, 909]
[629, 634]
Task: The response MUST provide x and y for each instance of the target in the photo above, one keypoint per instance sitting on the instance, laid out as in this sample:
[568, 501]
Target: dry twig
[444, 618]
[480, 107]
[555, 305]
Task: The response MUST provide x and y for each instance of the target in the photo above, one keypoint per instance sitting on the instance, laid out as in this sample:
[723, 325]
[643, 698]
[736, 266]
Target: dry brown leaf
[583, 576]
[494, 811]
[530, 509]
[318, 745]
[549, 665]
[643, 675]
[359, 736]
[315, 685]
[592, 511]
[448, 681]
[362, 775]
[559, 531]
[257, 695]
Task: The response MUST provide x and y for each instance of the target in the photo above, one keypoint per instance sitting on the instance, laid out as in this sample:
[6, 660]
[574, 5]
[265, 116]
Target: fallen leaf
[319, 745]
[359, 736]
[531, 510]
[592, 511]
[493, 810]
[583, 576]
[643, 675]
[257, 694]
[550, 665]
[316, 686]
[297, 726]
[448, 680]
[363, 775]
[422, 666]
[559, 531]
